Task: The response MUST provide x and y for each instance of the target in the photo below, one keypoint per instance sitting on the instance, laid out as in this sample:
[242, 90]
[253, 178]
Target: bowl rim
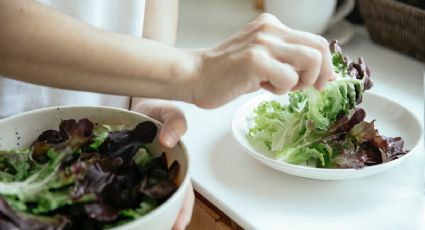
[310, 169]
[183, 185]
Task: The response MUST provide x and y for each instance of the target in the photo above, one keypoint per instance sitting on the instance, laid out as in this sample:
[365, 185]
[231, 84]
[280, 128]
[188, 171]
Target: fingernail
[171, 139]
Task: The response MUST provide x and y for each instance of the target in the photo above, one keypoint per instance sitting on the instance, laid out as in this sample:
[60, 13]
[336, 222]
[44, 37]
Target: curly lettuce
[82, 177]
[321, 128]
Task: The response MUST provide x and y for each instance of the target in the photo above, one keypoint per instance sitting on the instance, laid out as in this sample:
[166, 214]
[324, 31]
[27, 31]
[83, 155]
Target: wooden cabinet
[208, 217]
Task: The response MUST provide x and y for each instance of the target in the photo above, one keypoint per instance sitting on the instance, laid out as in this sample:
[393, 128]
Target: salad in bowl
[88, 167]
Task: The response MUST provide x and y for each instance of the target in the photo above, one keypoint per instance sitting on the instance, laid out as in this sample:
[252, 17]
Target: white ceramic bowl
[392, 119]
[21, 130]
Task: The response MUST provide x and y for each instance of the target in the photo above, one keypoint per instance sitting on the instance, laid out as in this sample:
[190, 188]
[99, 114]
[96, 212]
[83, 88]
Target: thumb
[172, 130]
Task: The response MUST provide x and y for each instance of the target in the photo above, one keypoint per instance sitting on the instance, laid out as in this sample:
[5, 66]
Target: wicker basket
[395, 25]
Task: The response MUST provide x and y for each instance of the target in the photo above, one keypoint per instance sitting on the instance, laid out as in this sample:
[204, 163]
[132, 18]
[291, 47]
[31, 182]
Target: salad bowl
[20, 130]
[391, 119]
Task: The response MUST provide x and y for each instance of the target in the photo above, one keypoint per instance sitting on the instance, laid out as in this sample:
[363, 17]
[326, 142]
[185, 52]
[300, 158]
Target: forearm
[160, 24]
[43, 46]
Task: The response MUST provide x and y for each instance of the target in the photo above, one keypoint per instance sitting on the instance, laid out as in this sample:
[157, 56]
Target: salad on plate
[325, 129]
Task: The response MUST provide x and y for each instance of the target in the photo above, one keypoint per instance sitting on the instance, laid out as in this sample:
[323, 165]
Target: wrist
[188, 71]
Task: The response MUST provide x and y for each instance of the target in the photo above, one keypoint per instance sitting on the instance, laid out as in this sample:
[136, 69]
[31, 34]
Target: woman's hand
[265, 54]
[174, 126]
[66, 53]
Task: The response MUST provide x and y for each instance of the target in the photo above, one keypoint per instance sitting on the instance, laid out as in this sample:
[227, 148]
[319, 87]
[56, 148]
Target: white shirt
[121, 16]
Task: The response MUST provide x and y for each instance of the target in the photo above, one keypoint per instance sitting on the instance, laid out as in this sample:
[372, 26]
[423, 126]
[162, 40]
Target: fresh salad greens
[83, 177]
[325, 128]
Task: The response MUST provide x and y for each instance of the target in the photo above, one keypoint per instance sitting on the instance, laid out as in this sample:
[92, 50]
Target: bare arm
[160, 24]
[43, 46]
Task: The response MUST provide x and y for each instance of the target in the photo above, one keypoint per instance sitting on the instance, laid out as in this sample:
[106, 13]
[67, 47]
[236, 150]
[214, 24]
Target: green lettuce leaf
[294, 132]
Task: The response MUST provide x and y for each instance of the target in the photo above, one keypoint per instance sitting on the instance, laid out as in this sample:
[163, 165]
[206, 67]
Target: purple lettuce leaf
[101, 185]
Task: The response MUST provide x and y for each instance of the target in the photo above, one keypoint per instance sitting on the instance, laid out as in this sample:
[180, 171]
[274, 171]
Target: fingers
[185, 214]
[281, 77]
[305, 60]
[173, 119]
[174, 127]
[320, 44]
[264, 54]
[307, 51]
[266, 22]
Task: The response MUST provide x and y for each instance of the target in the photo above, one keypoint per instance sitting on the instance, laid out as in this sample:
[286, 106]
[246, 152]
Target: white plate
[392, 119]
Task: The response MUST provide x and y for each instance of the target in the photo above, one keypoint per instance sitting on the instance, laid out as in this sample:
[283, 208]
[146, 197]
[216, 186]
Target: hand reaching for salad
[264, 54]
[174, 126]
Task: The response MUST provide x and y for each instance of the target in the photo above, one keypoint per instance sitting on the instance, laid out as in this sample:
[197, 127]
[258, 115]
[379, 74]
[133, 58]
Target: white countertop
[258, 197]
